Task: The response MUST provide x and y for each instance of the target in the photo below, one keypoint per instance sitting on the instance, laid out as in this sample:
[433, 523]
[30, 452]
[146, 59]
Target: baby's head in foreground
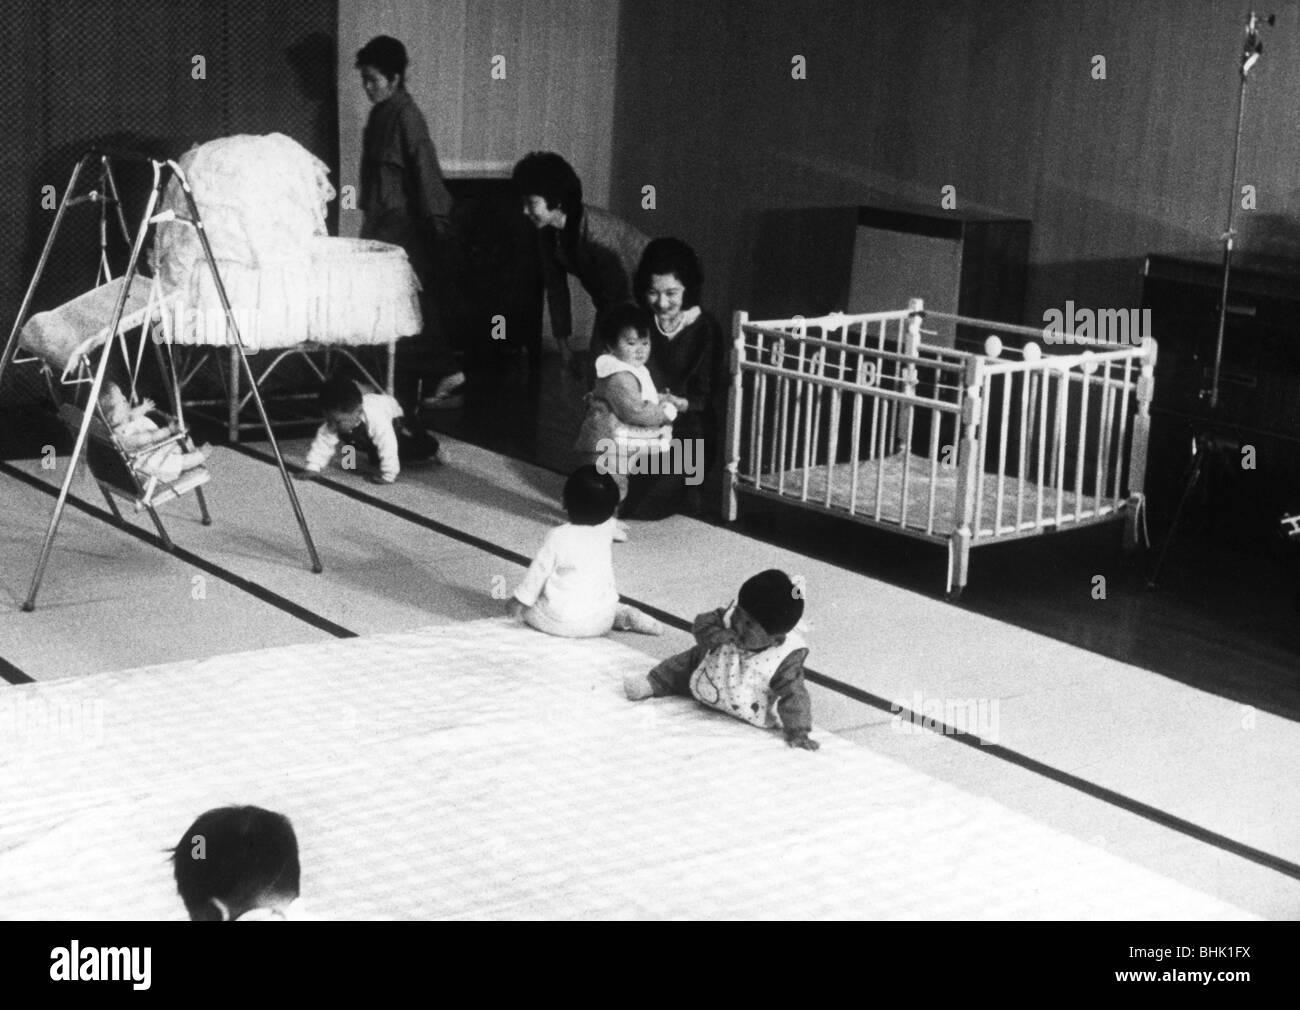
[237, 860]
[769, 607]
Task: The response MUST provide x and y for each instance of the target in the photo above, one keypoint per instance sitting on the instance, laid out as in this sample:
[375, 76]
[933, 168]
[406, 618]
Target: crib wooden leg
[730, 506]
[1135, 527]
[958, 564]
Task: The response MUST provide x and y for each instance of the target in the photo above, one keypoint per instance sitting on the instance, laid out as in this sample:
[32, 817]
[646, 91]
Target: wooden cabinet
[810, 261]
[1256, 474]
[1259, 381]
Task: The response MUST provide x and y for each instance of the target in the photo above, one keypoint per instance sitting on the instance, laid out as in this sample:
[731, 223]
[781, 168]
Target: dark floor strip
[188, 557]
[12, 674]
[349, 491]
[1150, 813]
[451, 532]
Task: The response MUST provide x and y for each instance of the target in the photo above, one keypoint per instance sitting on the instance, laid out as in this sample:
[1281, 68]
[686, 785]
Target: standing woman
[405, 201]
[688, 357]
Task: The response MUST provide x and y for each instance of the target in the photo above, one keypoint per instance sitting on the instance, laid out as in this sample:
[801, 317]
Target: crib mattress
[888, 474]
[485, 770]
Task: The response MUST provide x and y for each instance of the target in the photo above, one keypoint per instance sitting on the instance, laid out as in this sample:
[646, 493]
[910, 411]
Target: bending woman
[573, 238]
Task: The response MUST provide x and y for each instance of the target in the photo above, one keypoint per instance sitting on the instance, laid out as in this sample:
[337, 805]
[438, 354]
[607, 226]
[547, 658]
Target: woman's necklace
[681, 321]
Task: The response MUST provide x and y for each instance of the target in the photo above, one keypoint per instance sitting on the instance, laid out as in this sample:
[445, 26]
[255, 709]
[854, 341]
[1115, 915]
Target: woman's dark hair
[614, 320]
[772, 600]
[590, 497]
[237, 855]
[670, 256]
[385, 54]
[339, 393]
[546, 174]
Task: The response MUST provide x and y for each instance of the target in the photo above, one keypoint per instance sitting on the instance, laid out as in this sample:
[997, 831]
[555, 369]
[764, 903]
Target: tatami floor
[1189, 783]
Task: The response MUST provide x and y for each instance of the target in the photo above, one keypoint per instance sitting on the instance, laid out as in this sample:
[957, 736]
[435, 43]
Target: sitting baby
[747, 661]
[134, 431]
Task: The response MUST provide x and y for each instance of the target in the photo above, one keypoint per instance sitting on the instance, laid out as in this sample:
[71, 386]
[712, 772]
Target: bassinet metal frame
[235, 399]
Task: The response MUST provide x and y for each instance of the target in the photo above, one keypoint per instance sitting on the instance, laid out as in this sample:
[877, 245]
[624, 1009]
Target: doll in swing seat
[135, 430]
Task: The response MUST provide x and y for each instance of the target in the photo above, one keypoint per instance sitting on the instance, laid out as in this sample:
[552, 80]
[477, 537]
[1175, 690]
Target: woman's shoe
[448, 395]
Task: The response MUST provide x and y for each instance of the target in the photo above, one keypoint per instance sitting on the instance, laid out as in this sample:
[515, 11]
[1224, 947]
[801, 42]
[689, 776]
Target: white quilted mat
[484, 770]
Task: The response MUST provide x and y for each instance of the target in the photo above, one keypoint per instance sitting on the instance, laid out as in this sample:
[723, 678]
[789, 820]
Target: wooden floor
[1225, 617]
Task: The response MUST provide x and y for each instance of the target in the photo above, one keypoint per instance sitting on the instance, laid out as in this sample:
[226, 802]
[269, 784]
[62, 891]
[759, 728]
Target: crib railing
[857, 415]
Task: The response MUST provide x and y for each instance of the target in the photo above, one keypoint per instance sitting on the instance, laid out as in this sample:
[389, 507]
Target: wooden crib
[856, 415]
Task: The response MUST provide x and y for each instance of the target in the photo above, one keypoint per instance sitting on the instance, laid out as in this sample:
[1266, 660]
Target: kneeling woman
[688, 358]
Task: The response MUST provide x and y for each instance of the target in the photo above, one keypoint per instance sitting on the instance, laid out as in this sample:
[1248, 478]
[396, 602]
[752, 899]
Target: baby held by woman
[626, 414]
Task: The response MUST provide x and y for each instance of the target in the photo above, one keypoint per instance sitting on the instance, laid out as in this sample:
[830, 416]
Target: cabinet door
[891, 267]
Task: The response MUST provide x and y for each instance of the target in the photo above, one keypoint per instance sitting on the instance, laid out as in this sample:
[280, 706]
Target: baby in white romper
[569, 588]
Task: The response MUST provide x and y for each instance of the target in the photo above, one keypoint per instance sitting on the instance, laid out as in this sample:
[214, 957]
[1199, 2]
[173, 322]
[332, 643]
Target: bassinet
[293, 289]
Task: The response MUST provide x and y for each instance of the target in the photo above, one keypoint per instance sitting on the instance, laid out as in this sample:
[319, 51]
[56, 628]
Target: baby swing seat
[63, 340]
[115, 470]
[72, 345]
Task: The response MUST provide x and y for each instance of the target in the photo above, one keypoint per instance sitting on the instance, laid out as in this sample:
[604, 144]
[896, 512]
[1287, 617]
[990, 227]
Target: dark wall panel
[904, 97]
[75, 73]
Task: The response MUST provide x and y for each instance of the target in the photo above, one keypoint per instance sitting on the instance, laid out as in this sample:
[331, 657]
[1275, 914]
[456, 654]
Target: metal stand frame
[1208, 439]
[234, 400]
[108, 194]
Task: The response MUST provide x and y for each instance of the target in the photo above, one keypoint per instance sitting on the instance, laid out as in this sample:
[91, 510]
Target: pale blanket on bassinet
[485, 770]
[263, 202]
[63, 336]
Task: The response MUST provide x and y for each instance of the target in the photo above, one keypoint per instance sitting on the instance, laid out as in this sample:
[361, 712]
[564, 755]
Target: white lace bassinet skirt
[344, 291]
